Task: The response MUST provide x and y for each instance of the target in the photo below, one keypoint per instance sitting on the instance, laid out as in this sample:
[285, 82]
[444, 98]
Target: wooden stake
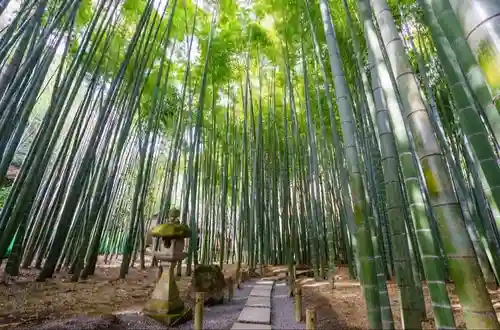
[230, 288]
[238, 279]
[198, 311]
[298, 304]
[291, 285]
[310, 319]
[160, 271]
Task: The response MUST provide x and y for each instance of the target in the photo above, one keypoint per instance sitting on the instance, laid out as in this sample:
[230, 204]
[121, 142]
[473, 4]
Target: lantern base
[172, 318]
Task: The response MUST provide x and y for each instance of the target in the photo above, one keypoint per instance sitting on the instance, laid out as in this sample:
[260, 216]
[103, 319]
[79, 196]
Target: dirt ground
[26, 302]
[344, 308]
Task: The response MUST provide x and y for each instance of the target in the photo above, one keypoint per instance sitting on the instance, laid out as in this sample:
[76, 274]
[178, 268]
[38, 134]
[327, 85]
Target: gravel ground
[221, 317]
[282, 309]
[218, 317]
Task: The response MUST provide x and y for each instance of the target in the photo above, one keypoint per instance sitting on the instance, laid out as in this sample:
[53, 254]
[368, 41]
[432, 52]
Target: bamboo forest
[345, 153]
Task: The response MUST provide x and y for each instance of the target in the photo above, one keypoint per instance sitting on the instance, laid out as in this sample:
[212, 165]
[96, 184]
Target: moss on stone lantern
[165, 305]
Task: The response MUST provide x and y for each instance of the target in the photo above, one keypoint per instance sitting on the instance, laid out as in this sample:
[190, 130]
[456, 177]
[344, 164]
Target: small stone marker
[264, 302]
[209, 279]
[250, 326]
[256, 315]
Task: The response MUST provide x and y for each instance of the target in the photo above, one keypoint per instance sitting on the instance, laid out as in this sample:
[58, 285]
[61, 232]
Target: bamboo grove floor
[28, 303]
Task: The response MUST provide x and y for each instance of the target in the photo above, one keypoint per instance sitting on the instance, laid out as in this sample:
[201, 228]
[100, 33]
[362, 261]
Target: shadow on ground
[342, 308]
[318, 295]
[217, 317]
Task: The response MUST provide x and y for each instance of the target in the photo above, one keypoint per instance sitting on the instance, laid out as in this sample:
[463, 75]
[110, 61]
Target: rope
[190, 309]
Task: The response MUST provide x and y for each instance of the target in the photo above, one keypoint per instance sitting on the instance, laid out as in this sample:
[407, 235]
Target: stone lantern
[165, 304]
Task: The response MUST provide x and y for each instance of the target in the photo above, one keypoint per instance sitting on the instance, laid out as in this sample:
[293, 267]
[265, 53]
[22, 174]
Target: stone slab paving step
[260, 293]
[257, 312]
[263, 287]
[258, 315]
[259, 302]
[249, 326]
[267, 288]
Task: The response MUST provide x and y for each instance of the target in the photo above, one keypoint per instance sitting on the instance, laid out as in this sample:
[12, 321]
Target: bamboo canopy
[363, 133]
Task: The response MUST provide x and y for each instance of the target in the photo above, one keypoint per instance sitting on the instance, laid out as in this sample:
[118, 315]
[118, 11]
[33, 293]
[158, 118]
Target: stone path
[256, 315]
[223, 316]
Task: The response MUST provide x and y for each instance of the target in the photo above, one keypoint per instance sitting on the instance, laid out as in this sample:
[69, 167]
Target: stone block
[256, 315]
[259, 302]
[210, 280]
[260, 292]
[249, 326]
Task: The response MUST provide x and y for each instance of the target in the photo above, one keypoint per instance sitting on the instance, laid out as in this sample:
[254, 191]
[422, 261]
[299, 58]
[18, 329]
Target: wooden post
[298, 304]
[160, 271]
[291, 279]
[310, 319]
[198, 311]
[238, 279]
[245, 275]
[230, 288]
[291, 286]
